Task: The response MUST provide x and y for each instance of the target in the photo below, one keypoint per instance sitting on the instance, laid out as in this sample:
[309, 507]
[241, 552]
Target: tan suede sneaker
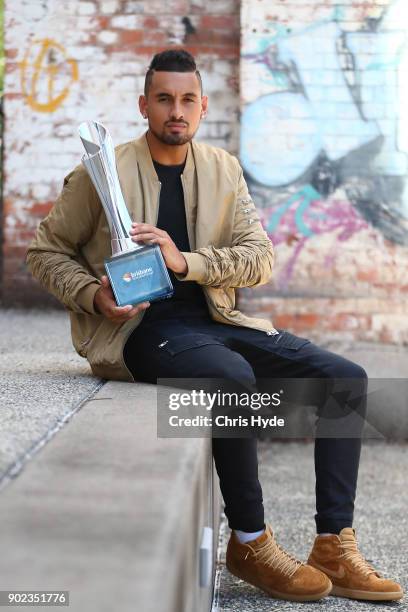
[264, 564]
[352, 576]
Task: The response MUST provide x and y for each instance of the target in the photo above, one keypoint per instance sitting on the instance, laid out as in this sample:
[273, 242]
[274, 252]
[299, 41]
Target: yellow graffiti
[48, 68]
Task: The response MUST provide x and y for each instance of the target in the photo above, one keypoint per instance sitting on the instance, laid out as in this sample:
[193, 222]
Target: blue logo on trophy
[137, 273]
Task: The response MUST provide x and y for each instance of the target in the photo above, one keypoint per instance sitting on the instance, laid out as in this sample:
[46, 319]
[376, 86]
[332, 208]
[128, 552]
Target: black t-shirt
[188, 297]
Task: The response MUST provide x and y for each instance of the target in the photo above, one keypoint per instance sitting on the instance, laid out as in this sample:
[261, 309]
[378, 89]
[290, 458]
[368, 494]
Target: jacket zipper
[186, 208]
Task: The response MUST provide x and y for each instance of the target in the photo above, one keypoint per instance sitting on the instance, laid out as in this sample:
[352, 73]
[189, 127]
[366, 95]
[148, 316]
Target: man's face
[173, 106]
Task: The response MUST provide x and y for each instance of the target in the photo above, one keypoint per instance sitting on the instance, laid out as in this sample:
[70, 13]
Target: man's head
[173, 102]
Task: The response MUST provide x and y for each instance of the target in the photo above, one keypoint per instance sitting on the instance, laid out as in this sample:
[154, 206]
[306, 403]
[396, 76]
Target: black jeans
[197, 347]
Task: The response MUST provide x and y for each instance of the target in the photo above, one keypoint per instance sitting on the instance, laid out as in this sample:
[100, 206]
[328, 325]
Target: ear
[204, 106]
[143, 106]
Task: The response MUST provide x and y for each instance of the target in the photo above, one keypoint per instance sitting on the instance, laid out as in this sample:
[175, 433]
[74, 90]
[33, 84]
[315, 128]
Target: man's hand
[104, 302]
[174, 260]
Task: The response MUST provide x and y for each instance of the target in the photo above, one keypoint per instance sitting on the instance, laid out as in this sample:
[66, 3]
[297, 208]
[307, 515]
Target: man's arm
[53, 256]
[247, 262]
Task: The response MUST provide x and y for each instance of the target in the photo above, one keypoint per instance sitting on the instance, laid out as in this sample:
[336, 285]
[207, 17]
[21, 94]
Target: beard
[172, 139]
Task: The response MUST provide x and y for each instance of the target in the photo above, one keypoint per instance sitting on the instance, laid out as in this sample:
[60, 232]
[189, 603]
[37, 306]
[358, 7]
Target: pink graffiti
[300, 217]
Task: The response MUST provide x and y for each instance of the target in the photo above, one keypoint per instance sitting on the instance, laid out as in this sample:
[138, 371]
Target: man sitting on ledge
[192, 200]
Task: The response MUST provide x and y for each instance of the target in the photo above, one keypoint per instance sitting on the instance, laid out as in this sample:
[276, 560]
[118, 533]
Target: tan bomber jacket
[229, 247]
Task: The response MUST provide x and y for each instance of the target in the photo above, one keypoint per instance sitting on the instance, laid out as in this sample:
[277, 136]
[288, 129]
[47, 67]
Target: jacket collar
[146, 163]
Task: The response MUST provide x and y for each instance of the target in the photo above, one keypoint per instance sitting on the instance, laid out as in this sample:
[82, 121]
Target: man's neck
[168, 155]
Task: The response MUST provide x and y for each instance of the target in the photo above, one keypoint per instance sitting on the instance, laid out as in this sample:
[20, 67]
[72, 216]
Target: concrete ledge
[111, 513]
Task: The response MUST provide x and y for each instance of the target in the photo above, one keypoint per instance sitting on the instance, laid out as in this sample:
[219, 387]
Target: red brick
[11, 53]
[151, 23]
[216, 22]
[214, 37]
[14, 255]
[41, 209]
[223, 52]
[130, 37]
[296, 321]
[104, 22]
[157, 37]
[370, 275]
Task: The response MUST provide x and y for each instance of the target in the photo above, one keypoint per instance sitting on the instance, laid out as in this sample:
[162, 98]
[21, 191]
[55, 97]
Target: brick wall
[323, 136]
[72, 60]
[324, 143]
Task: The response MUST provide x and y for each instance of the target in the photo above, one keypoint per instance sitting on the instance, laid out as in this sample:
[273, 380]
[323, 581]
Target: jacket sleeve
[54, 256]
[247, 262]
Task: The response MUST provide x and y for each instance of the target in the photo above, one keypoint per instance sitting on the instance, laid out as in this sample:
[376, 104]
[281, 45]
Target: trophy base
[139, 276]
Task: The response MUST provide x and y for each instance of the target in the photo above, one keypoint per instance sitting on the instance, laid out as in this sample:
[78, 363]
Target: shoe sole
[278, 595]
[367, 595]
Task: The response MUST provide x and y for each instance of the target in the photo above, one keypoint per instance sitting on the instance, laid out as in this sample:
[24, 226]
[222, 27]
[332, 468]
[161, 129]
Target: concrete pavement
[381, 522]
[42, 383]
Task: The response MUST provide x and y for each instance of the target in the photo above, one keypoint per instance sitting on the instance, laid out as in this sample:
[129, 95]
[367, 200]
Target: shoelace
[351, 553]
[273, 555]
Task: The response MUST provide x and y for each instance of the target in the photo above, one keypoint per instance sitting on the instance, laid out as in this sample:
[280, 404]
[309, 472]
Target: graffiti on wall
[324, 138]
[307, 213]
[47, 74]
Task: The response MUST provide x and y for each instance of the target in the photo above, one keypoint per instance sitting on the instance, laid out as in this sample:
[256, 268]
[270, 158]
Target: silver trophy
[137, 272]
[99, 161]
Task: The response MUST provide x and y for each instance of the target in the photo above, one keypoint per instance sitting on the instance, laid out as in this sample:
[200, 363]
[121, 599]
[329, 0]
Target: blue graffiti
[325, 100]
[306, 196]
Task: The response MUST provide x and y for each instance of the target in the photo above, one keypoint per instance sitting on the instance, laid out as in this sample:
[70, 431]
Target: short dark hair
[171, 60]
